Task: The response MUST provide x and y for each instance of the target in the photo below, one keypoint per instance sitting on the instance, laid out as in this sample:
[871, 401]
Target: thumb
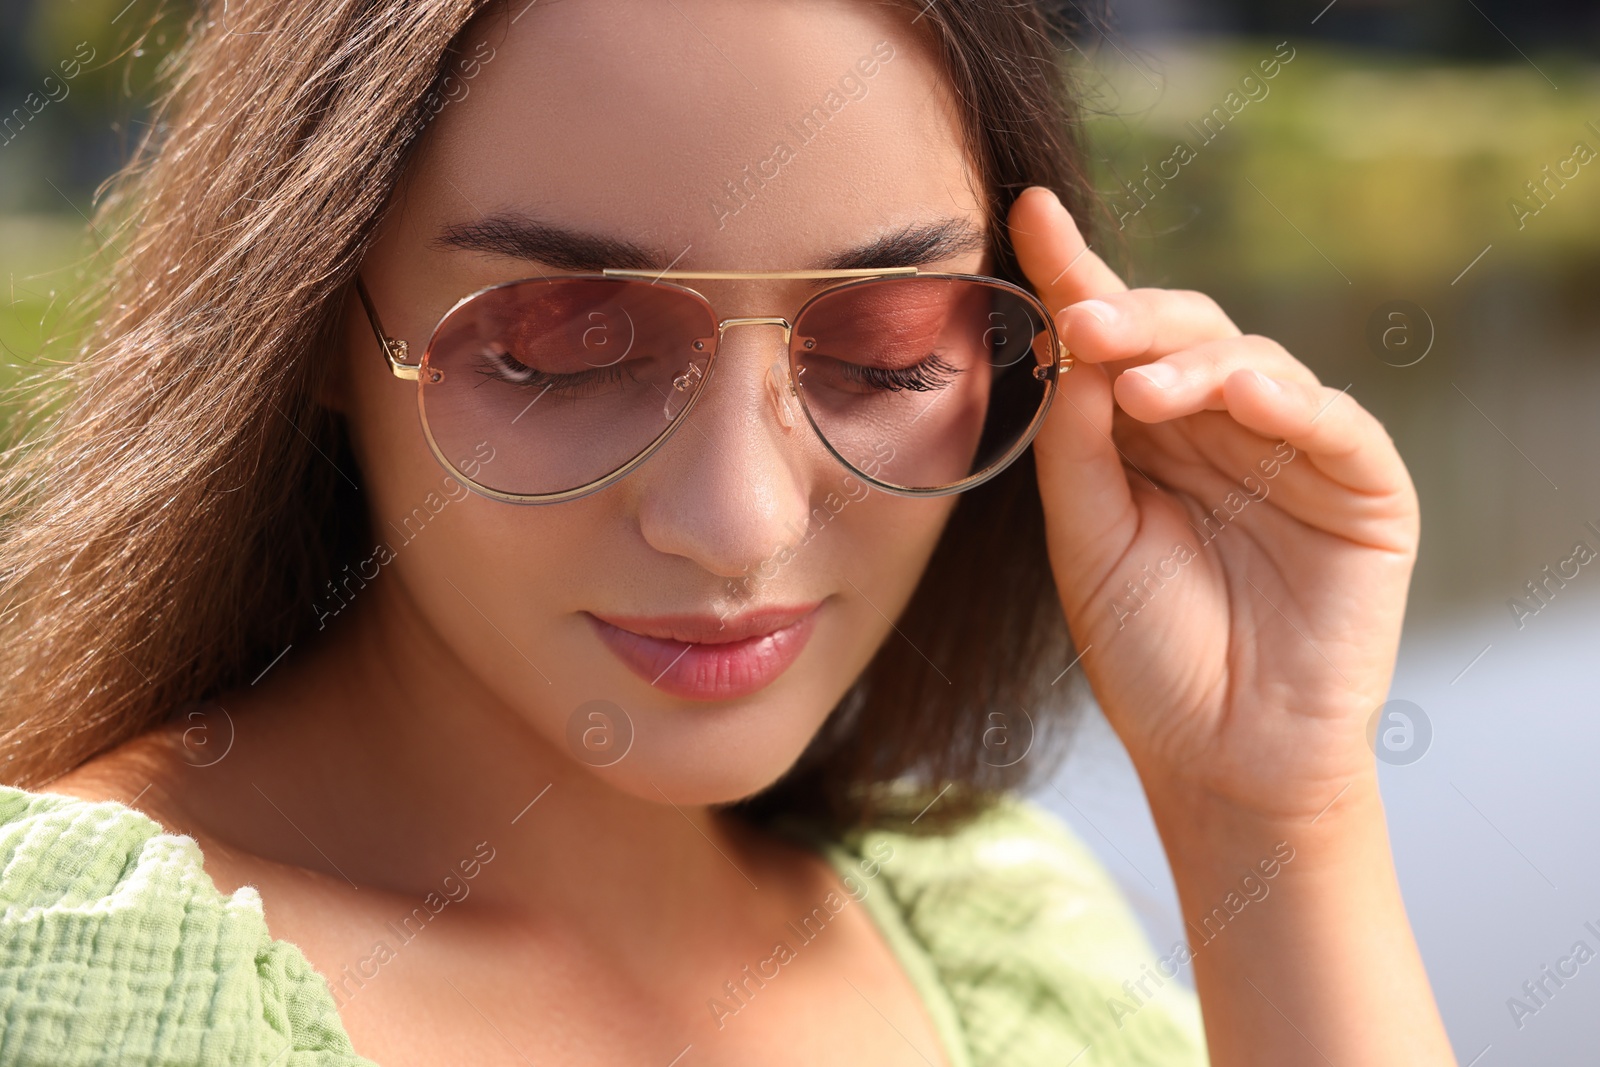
[1053, 253]
[1090, 517]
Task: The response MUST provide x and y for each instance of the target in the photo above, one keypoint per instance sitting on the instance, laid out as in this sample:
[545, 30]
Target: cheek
[898, 534]
[496, 587]
[875, 563]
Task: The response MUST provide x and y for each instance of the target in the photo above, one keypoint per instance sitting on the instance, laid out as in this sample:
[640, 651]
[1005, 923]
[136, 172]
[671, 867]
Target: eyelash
[931, 373]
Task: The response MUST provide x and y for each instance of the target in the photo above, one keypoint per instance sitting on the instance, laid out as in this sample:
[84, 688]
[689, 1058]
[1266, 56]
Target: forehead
[734, 134]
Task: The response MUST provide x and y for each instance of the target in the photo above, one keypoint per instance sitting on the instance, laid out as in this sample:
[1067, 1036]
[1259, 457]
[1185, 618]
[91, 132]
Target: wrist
[1296, 916]
[1203, 830]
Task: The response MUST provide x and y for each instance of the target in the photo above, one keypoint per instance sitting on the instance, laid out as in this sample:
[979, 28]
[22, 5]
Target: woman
[673, 676]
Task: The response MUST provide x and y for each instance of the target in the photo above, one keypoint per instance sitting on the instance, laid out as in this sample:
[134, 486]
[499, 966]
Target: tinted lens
[924, 382]
[565, 380]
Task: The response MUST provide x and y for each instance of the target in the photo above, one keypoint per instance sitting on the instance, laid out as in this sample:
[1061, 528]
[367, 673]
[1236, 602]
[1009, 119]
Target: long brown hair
[176, 512]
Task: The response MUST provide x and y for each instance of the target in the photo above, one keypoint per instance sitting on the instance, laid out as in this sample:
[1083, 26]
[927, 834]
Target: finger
[1141, 324]
[1053, 254]
[1089, 512]
[1207, 454]
[1090, 517]
[1191, 380]
[1211, 455]
[1339, 436]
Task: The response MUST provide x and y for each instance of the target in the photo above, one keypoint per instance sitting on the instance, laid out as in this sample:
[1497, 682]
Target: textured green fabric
[1020, 942]
[117, 948]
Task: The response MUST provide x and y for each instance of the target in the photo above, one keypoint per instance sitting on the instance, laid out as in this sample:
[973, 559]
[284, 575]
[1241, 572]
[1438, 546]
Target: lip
[702, 657]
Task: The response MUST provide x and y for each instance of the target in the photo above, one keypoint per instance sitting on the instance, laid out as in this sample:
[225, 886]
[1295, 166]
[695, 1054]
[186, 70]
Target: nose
[781, 388]
[732, 487]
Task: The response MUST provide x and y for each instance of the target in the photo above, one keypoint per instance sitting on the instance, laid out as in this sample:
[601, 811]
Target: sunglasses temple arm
[394, 352]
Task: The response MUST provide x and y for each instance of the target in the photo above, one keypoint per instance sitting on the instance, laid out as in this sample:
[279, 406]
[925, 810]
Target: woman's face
[643, 127]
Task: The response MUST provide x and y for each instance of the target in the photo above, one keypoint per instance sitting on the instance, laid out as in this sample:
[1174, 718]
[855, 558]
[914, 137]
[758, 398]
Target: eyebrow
[520, 236]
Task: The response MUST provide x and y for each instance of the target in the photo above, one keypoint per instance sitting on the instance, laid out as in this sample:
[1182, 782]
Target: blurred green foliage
[37, 271]
[130, 41]
[50, 168]
[1394, 170]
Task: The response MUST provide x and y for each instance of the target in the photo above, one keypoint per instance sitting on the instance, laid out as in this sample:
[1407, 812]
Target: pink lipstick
[702, 657]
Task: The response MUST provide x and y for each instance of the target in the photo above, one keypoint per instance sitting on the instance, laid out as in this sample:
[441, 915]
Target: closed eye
[500, 366]
[927, 375]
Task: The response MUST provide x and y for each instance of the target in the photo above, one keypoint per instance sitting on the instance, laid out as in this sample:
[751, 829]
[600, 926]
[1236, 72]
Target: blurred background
[1411, 204]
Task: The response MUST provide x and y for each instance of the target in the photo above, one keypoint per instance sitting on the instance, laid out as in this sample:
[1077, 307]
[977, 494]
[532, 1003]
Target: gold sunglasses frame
[395, 352]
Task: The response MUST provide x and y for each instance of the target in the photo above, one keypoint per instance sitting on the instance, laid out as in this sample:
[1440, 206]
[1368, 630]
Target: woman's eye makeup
[926, 375]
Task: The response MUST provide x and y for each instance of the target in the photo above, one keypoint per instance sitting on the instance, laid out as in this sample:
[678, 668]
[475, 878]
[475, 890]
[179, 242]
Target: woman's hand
[1231, 539]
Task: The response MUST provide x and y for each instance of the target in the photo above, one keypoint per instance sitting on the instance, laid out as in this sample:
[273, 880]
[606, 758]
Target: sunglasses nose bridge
[788, 327]
[779, 386]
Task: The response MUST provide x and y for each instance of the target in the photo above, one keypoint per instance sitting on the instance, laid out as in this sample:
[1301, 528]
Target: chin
[696, 756]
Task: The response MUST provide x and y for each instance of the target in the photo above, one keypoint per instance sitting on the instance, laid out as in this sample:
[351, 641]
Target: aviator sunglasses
[919, 383]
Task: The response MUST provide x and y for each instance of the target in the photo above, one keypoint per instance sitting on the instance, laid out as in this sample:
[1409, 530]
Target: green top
[117, 947]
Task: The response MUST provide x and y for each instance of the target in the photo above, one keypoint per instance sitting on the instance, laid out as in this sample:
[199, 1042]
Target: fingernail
[1101, 310]
[1269, 384]
[1160, 375]
[1055, 200]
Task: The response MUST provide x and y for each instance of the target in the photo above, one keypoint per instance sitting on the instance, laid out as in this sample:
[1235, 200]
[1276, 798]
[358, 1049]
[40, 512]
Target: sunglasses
[921, 384]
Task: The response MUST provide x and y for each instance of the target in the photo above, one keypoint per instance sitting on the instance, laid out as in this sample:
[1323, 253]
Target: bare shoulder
[158, 774]
[138, 773]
